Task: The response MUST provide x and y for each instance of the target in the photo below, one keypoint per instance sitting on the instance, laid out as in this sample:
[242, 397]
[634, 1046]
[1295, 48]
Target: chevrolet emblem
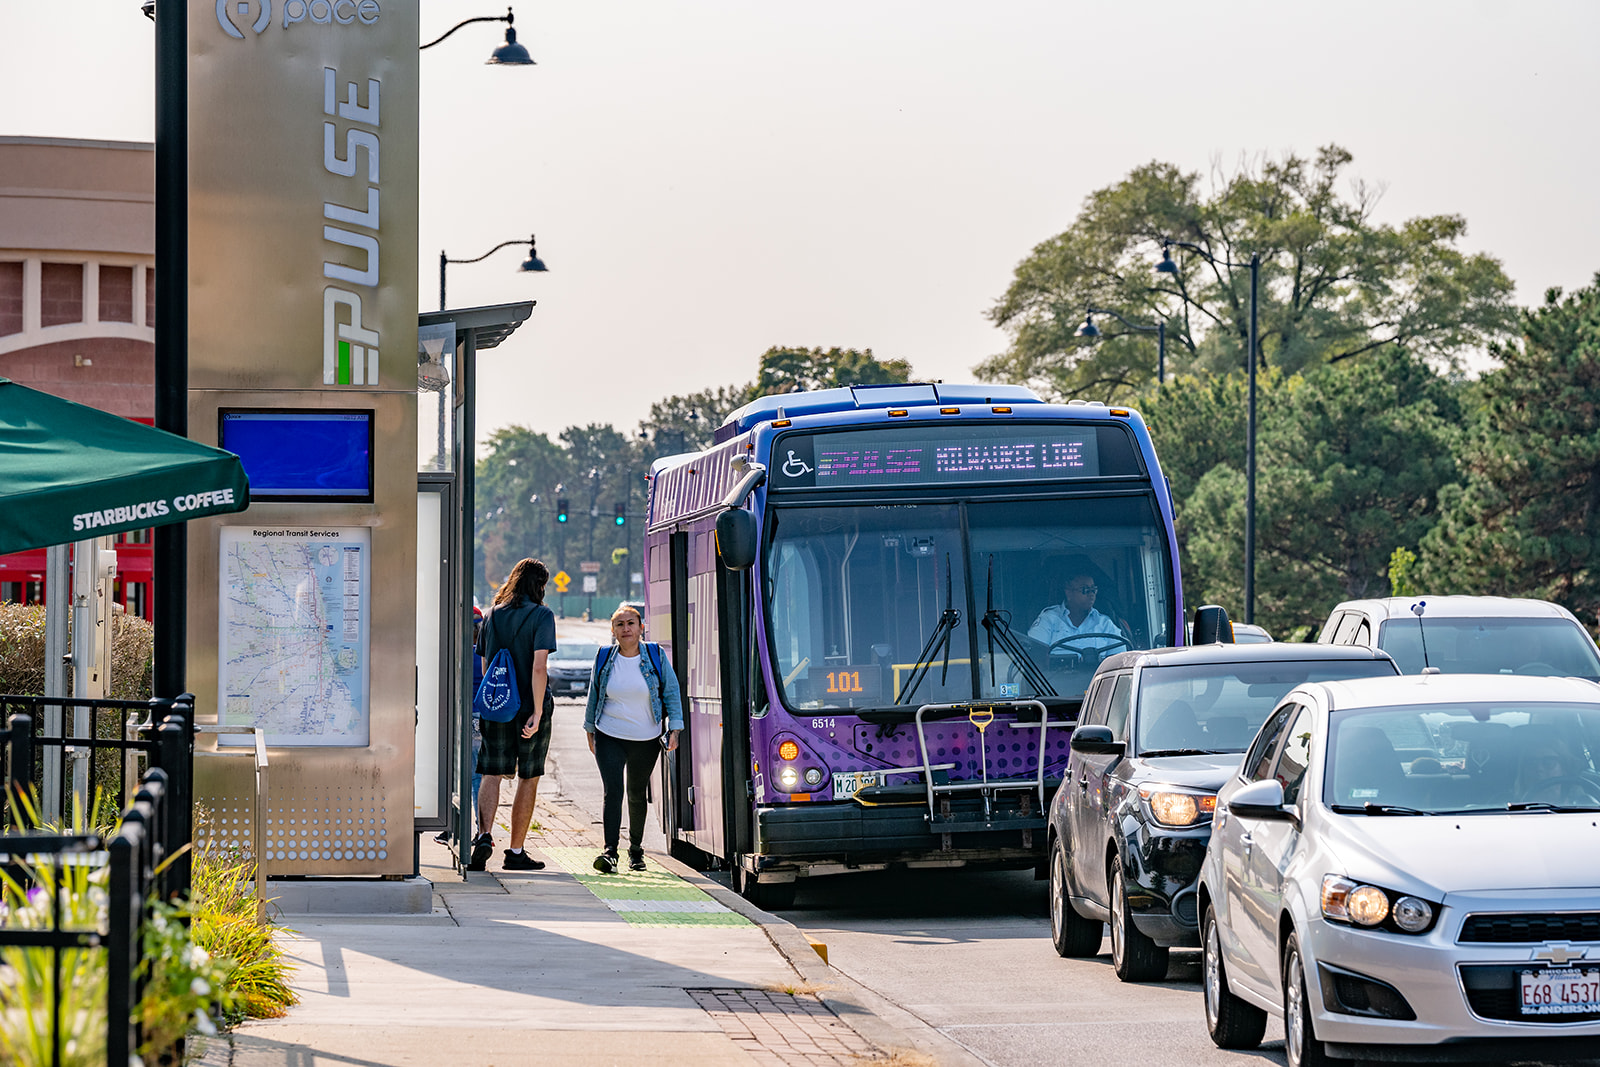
[1560, 953]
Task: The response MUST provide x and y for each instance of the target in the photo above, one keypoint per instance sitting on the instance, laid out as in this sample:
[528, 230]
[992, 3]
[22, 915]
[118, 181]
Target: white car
[1468, 635]
[1410, 868]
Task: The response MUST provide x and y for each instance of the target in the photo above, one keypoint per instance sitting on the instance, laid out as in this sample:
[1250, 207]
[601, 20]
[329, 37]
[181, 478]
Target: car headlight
[1179, 809]
[1367, 905]
[1347, 901]
[1412, 914]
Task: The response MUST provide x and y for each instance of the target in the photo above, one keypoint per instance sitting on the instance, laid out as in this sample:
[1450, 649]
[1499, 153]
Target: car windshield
[1464, 757]
[1218, 707]
[1552, 647]
[584, 650]
[874, 606]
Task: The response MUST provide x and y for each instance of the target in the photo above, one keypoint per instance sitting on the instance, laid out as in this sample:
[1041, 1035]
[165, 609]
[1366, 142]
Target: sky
[709, 178]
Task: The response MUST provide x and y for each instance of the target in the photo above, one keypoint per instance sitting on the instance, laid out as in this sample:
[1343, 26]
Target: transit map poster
[294, 622]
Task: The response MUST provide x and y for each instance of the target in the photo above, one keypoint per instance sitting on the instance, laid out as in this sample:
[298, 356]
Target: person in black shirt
[518, 621]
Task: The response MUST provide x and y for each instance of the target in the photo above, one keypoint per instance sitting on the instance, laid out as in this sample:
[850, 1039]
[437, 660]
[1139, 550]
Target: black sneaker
[521, 861]
[482, 849]
[606, 863]
[636, 859]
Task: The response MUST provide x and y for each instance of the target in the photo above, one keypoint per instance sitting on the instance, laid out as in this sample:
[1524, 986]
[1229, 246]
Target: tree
[1335, 284]
[792, 370]
[686, 423]
[1352, 459]
[1526, 521]
[515, 489]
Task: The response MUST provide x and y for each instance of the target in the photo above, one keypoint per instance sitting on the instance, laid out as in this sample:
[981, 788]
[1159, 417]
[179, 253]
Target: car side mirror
[736, 538]
[1096, 740]
[1260, 800]
[1211, 626]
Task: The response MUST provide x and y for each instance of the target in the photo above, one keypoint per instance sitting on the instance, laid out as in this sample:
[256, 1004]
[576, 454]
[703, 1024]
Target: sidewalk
[566, 966]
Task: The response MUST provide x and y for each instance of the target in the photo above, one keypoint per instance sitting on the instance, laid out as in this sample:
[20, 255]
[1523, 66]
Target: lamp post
[509, 54]
[1169, 266]
[1092, 332]
[533, 264]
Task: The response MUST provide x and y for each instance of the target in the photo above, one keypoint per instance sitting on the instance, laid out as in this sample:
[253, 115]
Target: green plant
[183, 983]
[224, 922]
[27, 975]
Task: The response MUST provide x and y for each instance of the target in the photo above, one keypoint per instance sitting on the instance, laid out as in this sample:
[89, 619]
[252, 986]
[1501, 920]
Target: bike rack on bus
[982, 716]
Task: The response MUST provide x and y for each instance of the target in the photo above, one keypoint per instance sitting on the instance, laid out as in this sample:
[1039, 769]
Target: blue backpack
[652, 650]
[498, 699]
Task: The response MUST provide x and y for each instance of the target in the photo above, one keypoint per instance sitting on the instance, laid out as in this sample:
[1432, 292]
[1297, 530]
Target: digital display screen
[953, 455]
[301, 454]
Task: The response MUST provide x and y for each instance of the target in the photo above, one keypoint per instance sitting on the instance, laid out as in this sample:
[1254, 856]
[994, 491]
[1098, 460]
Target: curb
[857, 1007]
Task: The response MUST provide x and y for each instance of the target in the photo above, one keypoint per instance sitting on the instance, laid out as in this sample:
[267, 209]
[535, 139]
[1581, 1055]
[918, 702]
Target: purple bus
[884, 604]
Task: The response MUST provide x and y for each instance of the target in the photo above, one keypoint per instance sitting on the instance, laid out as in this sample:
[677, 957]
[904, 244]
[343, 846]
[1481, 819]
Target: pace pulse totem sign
[303, 301]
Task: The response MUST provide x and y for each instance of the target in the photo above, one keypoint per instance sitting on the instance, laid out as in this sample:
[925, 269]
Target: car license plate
[846, 784]
[1560, 992]
[580, 686]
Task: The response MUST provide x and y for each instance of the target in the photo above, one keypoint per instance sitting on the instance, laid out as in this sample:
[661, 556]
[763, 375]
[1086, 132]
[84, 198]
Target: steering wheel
[1539, 668]
[1586, 786]
[1064, 645]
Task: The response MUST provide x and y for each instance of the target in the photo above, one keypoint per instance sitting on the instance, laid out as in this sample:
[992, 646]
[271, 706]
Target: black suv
[1159, 734]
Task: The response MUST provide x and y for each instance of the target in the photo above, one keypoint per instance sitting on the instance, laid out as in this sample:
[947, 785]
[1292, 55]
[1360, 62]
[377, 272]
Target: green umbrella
[70, 472]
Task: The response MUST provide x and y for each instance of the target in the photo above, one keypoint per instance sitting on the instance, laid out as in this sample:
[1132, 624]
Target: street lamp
[1169, 266]
[509, 54]
[1092, 332]
[533, 264]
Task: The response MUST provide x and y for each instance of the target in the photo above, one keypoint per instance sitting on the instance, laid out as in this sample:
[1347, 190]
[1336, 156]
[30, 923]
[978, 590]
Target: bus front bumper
[830, 837]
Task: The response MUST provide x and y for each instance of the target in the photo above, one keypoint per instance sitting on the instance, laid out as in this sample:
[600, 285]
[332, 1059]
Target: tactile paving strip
[651, 897]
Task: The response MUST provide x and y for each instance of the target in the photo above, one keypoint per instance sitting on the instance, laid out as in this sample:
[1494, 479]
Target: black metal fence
[146, 857]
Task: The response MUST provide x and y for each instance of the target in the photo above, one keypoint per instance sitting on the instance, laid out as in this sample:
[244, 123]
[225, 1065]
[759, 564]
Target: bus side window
[1117, 711]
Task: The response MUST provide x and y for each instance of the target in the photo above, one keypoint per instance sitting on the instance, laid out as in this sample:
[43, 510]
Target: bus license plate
[845, 785]
[1564, 992]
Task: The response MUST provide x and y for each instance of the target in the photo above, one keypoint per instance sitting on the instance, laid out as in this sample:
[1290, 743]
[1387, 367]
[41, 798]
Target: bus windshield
[878, 606]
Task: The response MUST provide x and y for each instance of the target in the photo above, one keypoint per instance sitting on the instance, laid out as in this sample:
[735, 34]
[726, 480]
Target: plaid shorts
[505, 751]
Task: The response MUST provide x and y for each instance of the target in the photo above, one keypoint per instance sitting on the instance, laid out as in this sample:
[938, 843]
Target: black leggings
[639, 757]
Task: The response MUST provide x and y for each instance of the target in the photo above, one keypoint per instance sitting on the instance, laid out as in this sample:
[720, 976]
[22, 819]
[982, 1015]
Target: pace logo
[233, 14]
[227, 9]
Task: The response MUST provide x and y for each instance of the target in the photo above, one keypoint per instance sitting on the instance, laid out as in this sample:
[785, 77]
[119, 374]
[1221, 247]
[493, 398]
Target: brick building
[77, 302]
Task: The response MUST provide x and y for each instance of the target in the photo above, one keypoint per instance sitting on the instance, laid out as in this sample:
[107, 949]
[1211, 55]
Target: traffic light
[561, 509]
[622, 514]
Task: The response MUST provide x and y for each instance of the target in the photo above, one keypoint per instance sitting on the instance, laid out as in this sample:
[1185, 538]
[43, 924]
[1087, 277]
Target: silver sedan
[1410, 867]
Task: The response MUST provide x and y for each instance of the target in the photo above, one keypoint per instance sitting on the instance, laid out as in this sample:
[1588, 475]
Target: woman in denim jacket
[631, 691]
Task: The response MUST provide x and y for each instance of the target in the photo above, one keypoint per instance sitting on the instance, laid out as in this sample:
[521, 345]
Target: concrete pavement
[567, 966]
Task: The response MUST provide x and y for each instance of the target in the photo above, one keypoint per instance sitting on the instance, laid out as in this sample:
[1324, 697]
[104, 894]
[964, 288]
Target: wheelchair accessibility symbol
[794, 467]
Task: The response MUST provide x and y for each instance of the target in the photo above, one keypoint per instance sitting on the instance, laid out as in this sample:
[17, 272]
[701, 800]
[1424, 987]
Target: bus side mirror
[736, 538]
[1211, 626]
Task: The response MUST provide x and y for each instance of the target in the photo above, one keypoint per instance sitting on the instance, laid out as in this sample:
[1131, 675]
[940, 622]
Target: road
[969, 953]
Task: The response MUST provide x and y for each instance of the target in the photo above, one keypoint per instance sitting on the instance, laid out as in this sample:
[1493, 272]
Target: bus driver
[1075, 615]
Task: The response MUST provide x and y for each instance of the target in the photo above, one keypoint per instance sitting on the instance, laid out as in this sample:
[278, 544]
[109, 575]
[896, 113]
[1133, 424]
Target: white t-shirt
[626, 713]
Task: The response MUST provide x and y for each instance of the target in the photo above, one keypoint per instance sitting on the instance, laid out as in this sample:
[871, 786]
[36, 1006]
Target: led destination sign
[923, 455]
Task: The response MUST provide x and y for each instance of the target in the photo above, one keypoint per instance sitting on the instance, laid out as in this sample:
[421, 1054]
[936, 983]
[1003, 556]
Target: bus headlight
[813, 775]
[788, 778]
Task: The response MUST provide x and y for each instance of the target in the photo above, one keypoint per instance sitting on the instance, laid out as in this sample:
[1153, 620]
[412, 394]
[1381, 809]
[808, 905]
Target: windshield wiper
[940, 638]
[1182, 752]
[1369, 808]
[999, 628]
[1545, 805]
